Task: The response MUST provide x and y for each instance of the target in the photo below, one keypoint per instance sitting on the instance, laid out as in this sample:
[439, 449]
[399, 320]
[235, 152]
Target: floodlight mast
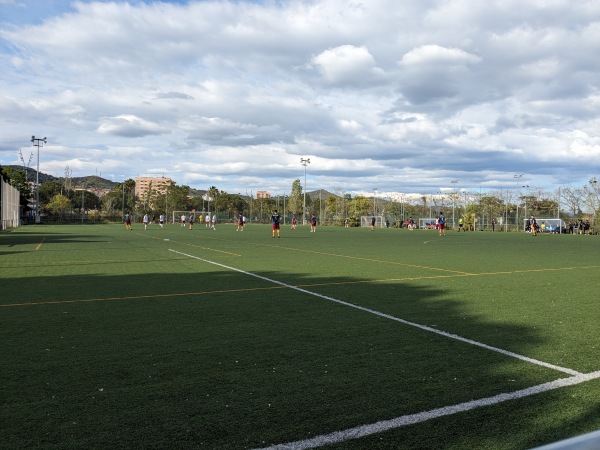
[374, 204]
[518, 179]
[304, 162]
[37, 142]
[453, 201]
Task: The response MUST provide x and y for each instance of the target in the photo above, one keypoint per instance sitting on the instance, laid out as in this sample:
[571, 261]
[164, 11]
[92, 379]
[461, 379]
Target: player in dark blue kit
[275, 219]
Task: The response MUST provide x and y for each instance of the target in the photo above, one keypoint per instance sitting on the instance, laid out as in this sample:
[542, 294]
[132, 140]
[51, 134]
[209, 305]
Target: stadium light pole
[304, 162]
[37, 142]
[593, 184]
[374, 207]
[526, 187]
[518, 179]
[453, 201]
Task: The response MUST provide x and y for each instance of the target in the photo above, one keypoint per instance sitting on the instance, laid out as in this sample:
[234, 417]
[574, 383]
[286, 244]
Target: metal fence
[10, 205]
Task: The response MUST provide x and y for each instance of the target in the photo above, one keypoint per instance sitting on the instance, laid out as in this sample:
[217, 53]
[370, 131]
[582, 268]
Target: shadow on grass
[223, 360]
[213, 358]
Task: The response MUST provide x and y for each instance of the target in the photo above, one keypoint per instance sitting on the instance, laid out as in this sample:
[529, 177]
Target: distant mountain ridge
[92, 181]
[96, 182]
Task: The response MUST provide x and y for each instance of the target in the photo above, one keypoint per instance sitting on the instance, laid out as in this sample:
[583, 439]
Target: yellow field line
[73, 262]
[360, 258]
[190, 245]
[138, 297]
[334, 283]
[37, 247]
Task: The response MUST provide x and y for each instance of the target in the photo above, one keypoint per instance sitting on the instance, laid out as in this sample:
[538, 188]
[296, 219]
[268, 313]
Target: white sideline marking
[410, 419]
[385, 425]
[387, 316]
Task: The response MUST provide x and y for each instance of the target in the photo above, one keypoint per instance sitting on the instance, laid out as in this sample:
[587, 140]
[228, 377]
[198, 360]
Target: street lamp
[304, 162]
[37, 142]
[453, 201]
[518, 179]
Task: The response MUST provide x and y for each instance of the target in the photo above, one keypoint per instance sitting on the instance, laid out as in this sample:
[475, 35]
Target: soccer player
[313, 224]
[294, 222]
[214, 221]
[183, 220]
[207, 220]
[461, 224]
[373, 223]
[127, 222]
[192, 218]
[240, 223]
[161, 220]
[442, 225]
[533, 225]
[275, 219]
[145, 219]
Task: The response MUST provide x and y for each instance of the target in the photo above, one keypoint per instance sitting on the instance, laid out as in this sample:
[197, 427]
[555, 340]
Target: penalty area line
[388, 316]
[411, 419]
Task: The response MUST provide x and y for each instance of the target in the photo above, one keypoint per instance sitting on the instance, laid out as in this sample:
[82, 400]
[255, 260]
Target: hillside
[90, 181]
[93, 181]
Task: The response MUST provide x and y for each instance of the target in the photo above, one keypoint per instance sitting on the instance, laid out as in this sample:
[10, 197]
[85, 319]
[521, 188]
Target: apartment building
[144, 184]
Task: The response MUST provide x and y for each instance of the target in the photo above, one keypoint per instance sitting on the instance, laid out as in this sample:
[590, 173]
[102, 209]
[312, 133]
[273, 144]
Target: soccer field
[345, 338]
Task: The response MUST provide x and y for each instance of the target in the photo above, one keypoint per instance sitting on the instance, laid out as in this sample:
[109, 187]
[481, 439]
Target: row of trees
[507, 208]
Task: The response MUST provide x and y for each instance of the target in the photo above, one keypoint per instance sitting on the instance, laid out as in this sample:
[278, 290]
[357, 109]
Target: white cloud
[437, 55]
[347, 64]
[235, 93]
[127, 125]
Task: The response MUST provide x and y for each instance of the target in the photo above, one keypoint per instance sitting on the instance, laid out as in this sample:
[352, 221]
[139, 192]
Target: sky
[382, 96]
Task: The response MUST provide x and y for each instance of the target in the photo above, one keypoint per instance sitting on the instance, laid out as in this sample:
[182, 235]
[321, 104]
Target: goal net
[365, 221]
[176, 216]
[546, 225]
[427, 223]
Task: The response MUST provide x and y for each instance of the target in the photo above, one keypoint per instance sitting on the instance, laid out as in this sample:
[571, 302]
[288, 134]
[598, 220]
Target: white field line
[387, 316]
[410, 419]
[385, 425]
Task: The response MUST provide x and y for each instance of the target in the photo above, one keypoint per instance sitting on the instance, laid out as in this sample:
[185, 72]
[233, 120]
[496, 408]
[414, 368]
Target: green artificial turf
[178, 338]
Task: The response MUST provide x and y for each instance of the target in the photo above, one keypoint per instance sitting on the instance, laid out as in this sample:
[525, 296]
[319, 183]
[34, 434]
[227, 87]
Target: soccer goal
[365, 221]
[546, 225]
[176, 217]
[427, 223]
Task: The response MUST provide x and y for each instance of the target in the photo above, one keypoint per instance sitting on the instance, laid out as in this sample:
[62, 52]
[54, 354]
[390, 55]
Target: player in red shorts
[442, 225]
[275, 220]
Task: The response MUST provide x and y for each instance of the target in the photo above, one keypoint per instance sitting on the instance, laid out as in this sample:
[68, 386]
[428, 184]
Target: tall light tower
[374, 206]
[518, 179]
[37, 142]
[526, 187]
[304, 162]
[453, 201]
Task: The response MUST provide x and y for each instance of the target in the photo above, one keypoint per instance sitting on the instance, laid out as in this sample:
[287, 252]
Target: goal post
[365, 221]
[427, 223]
[176, 216]
[546, 225]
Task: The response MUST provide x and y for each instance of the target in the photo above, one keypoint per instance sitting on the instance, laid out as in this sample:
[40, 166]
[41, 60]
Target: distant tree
[232, 203]
[295, 200]
[17, 179]
[59, 205]
[86, 200]
[48, 190]
[572, 199]
[111, 203]
[361, 206]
